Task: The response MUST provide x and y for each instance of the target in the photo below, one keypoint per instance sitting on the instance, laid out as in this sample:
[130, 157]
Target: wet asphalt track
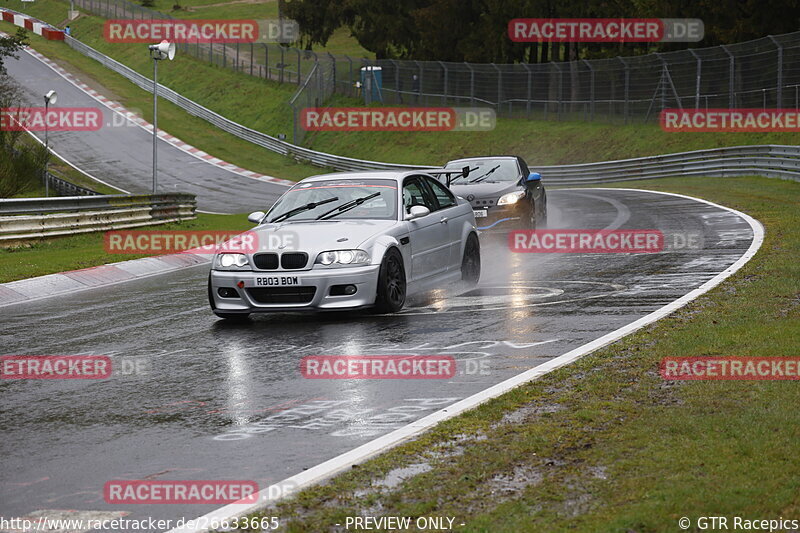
[121, 153]
[227, 401]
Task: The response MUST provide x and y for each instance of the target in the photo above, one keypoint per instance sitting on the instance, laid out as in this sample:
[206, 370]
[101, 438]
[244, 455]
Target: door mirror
[256, 217]
[533, 177]
[417, 211]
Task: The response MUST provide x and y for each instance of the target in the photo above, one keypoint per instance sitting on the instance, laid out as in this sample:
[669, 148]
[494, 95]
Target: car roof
[395, 175]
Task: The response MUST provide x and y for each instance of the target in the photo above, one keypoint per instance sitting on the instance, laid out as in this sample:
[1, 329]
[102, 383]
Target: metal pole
[779, 85]
[731, 73]
[528, 97]
[46, 146]
[471, 84]
[627, 85]
[444, 91]
[560, 87]
[155, 124]
[591, 89]
[697, 83]
[499, 86]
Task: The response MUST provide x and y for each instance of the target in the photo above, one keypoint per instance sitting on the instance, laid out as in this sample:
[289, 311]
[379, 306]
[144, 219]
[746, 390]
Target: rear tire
[391, 294]
[471, 262]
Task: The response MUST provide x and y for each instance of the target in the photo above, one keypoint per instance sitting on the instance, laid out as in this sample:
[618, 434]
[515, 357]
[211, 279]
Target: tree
[9, 46]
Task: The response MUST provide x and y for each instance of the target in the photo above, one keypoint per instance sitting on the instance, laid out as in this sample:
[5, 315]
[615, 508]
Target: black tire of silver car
[471, 262]
[227, 316]
[391, 283]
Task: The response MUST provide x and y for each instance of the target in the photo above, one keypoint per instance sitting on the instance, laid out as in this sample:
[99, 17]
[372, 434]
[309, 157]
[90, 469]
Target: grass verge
[87, 250]
[607, 445]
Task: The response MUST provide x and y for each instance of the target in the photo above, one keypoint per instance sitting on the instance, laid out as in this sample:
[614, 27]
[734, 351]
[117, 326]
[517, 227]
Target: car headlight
[511, 198]
[232, 261]
[343, 257]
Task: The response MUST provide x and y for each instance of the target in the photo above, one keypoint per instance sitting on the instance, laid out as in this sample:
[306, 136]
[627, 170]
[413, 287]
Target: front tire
[471, 262]
[391, 283]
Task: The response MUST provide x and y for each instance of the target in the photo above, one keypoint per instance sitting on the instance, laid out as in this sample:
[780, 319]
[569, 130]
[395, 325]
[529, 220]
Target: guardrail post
[697, 81]
[779, 84]
[731, 74]
[591, 89]
[625, 108]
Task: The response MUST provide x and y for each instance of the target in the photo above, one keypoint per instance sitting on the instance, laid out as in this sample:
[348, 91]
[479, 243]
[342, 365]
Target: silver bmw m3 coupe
[347, 241]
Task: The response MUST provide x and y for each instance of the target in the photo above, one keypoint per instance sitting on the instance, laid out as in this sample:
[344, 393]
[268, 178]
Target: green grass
[87, 250]
[615, 447]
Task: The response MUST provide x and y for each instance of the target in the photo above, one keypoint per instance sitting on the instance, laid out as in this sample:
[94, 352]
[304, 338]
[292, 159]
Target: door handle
[443, 220]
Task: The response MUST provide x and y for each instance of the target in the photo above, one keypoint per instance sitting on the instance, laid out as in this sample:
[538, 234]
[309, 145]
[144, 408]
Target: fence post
[499, 87]
[421, 72]
[224, 55]
[333, 71]
[266, 61]
[471, 84]
[444, 91]
[528, 94]
[697, 82]
[731, 73]
[591, 89]
[627, 85]
[350, 81]
[283, 64]
[779, 85]
[299, 73]
[560, 89]
[252, 49]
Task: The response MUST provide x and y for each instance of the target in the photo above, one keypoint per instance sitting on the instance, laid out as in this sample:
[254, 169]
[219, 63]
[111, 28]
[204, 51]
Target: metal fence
[764, 73]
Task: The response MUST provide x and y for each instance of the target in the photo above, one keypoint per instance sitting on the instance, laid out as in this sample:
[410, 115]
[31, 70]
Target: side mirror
[533, 177]
[417, 211]
[256, 217]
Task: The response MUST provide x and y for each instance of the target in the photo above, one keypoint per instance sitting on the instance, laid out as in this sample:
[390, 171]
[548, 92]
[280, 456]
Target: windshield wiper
[484, 176]
[347, 206]
[298, 210]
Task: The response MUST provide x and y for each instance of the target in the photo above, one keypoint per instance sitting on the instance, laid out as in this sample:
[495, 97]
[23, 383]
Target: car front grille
[282, 295]
[287, 261]
[294, 260]
[266, 261]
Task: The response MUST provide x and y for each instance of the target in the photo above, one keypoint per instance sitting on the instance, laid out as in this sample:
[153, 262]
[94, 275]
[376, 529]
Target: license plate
[277, 281]
[479, 213]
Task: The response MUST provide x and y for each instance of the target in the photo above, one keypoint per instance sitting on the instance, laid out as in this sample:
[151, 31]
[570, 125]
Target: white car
[348, 241]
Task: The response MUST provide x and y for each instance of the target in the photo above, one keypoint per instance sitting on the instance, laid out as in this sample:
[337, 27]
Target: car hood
[487, 189]
[314, 237]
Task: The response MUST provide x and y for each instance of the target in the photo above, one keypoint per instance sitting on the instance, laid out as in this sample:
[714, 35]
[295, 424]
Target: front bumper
[365, 278]
[502, 218]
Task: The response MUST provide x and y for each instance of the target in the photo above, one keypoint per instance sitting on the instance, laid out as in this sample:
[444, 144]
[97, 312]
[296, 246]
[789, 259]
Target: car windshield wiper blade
[298, 210]
[347, 206]
[484, 176]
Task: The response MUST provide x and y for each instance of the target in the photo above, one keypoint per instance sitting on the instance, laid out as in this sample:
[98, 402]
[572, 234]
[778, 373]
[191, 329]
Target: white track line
[366, 451]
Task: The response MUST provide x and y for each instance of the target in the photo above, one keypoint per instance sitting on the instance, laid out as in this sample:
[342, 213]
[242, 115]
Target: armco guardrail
[775, 161]
[25, 219]
[65, 188]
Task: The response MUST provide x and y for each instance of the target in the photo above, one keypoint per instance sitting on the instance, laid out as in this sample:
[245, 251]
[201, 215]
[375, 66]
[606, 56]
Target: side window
[443, 197]
[415, 194]
[523, 167]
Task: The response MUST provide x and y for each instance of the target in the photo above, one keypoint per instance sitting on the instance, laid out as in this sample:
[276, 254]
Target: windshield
[507, 170]
[368, 199]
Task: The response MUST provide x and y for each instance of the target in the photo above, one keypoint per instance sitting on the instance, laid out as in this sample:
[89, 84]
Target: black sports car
[503, 192]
